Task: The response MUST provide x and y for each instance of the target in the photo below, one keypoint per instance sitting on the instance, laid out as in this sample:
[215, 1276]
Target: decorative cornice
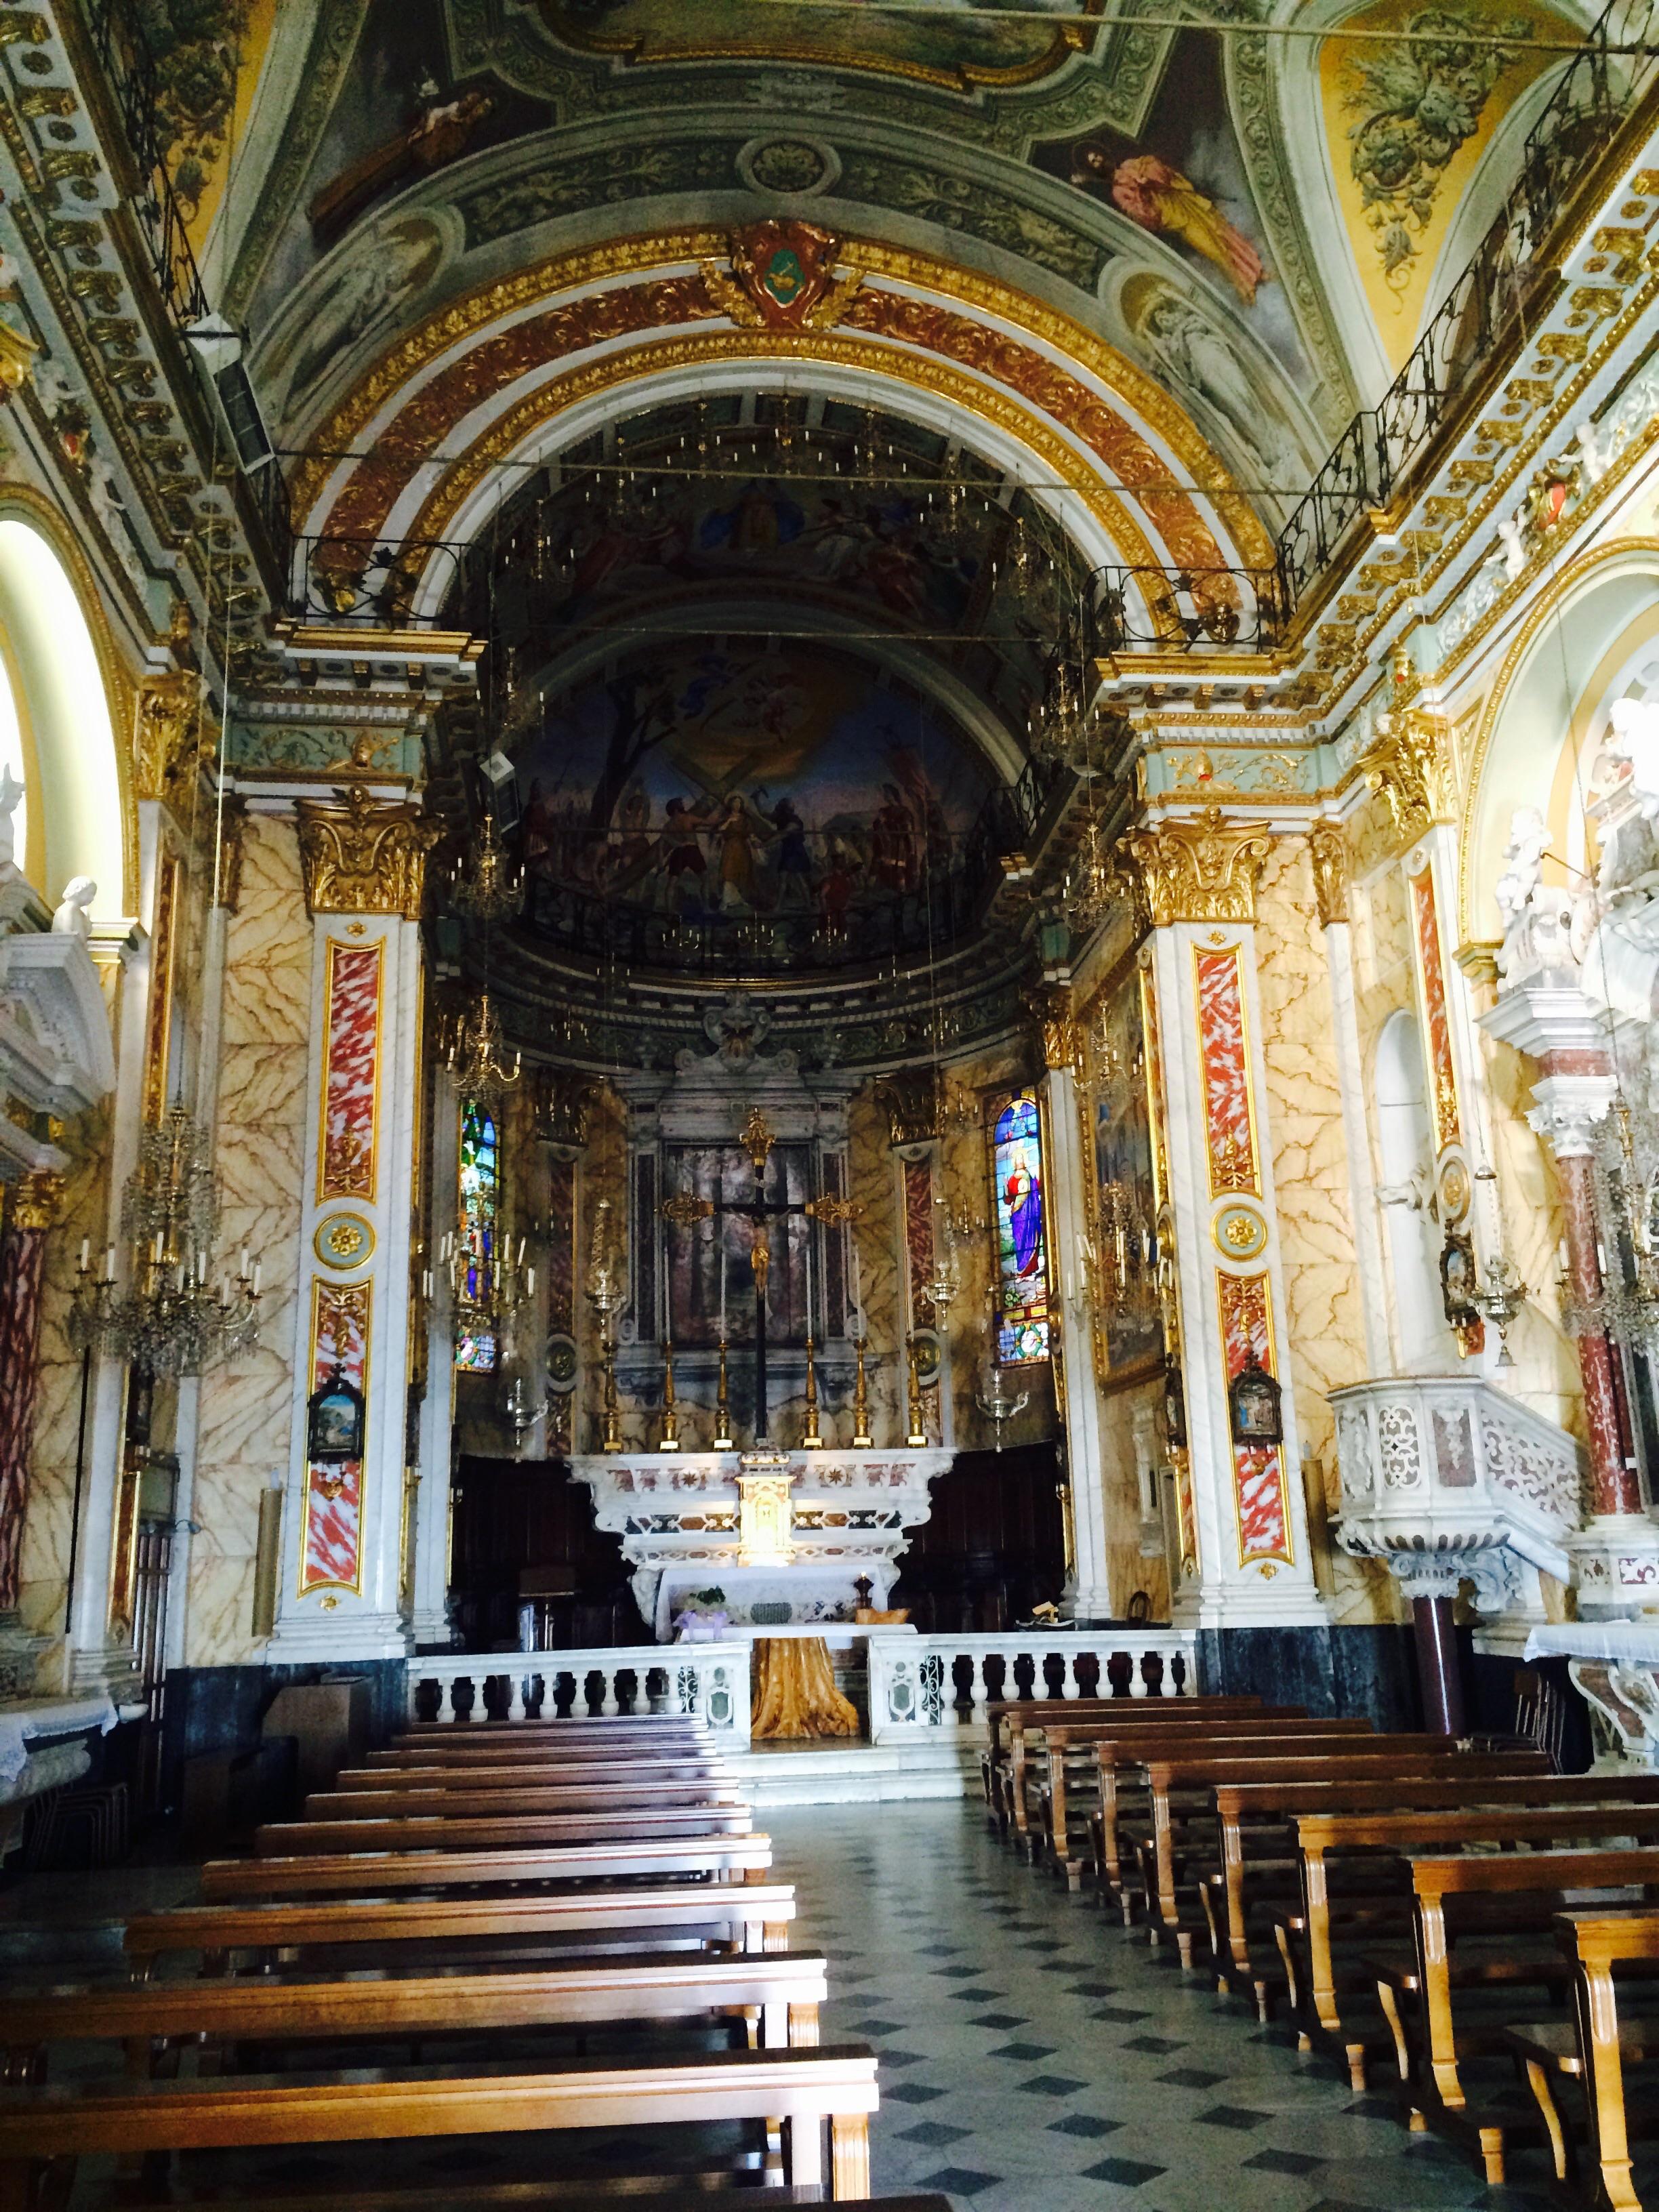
[1199, 867]
[1328, 849]
[1409, 763]
[360, 857]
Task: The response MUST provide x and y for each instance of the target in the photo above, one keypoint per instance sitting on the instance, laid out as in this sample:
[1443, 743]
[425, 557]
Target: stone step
[855, 1773]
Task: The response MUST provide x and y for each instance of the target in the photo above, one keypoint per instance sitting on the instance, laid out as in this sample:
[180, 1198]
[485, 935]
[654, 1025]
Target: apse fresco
[733, 789]
[1183, 179]
[1125, 1206]
[942, 43]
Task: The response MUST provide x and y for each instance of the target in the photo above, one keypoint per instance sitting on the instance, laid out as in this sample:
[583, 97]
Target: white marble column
[429, 1622]
[364, 865]
[1254, 1566]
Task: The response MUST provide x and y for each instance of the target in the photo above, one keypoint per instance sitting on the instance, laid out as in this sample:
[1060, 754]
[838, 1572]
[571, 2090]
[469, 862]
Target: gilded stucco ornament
[360, 857]
[169, 745]
[914, 1101]
[1328, 849]
[1062, 1036]
[563, 1105]
[35, 1202]
[783, 277]
[1409, 764]
[1199, 867]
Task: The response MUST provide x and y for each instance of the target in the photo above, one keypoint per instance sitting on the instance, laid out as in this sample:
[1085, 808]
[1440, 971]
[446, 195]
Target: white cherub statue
[70, 919]
[1592, 454]
[1511, 530]
[1524, 864]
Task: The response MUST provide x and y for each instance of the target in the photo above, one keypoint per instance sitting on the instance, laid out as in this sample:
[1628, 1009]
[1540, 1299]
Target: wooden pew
[474, 1800]
[742, 1915]
[1305, 1934]
[1253, 1839]
[1118, 1757]
[836, 2081]
[1173, 1774]
[786, 1988]
[1010, 1723]
[1064, 1742]
[1433, 2029]
[1594, 2049]
[359, 1873]
[429, 1832]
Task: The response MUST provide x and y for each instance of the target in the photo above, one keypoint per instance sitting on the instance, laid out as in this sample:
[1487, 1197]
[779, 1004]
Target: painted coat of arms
[783, 277]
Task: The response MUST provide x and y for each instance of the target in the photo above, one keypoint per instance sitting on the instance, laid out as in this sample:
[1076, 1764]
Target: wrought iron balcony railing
[1146, 609]
[403, 584]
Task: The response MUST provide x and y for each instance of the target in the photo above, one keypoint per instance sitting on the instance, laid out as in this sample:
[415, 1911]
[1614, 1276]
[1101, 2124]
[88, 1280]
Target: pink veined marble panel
[1229, 1125]
[350, 1072]
[333, 1550]
[919, 1236]
[24, 1252]
[1264, 1517]
[1434, 1002]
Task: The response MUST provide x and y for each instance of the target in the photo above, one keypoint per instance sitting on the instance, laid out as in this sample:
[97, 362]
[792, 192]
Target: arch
[1560, 668]
[71, 696]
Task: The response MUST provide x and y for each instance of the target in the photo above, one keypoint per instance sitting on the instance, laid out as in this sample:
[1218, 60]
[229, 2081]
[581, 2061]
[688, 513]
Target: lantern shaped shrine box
[1253, 1408]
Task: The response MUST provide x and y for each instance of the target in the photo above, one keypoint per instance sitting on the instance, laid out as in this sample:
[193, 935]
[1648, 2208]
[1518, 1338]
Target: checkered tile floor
[1034, 2058]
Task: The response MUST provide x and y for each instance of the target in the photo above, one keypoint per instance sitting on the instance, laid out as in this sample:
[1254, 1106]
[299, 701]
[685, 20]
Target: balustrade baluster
[515, 1697]
[447, 1710]
[979, 1693]
[610, 1704]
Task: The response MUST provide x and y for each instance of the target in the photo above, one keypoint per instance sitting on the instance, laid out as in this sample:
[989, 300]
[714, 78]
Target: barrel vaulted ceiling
[420, 209]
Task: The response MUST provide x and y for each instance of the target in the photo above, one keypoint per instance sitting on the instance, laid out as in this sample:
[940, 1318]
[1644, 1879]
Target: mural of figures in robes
[793, 795]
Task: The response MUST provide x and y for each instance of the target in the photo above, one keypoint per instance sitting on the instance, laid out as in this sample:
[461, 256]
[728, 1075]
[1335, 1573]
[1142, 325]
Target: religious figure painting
[1019, 1190]
[1183, 180]
[1125, 1207]
[787, 793]
[947, 42]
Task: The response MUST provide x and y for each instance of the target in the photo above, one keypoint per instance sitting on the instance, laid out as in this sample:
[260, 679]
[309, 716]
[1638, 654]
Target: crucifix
[684, 1211]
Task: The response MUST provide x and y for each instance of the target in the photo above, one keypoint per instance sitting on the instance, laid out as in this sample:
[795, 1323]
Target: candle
[858, 1287]
[722, 1291]
[109, 1263]
[86, 1253]
[809, 1285]
[256, 1279]
[530, 1279]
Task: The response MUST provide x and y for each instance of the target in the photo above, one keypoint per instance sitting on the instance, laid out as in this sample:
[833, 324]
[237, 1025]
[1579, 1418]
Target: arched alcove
[57, 713]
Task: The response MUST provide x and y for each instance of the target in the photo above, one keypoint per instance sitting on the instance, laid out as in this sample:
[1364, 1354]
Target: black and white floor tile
[1036, 2058]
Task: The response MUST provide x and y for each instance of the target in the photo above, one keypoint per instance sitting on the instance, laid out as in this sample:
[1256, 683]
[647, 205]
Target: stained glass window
[480, 1180]
[1022, 1232]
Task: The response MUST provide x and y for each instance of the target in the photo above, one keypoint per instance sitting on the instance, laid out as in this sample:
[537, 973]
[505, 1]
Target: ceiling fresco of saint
[1162, 188]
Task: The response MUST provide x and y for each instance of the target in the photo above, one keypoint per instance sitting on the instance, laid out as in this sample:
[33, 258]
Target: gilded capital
[1328, 849]
[168, 750]
[1063, 1039]
[35, 1199]
[562, 1103]
[1409, 763]
[360, 857]
[1199, 867]
[914, 1101]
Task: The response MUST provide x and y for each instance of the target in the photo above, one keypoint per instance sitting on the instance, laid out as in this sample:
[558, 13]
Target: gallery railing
[1150, 609]
[367, 580]
[126, 61]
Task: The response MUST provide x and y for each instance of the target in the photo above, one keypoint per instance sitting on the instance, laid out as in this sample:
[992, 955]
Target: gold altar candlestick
[811, 1441]
[723, 1437]
[612, 1441]
[862, 1439]
[918, 1434]
[668, 1439]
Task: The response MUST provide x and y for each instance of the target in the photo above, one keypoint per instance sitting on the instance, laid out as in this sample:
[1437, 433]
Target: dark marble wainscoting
[1347, 1672]
[217, 1710]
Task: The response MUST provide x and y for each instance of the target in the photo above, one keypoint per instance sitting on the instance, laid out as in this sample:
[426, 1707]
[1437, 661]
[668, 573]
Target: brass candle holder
[611, 1440]
[724, 1440]
[918, 1434]
[668, 1437]
[812, 1441]
[862, 1439]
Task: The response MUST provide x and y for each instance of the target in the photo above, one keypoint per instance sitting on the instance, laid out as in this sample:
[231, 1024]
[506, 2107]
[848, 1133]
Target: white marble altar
[677, 1516]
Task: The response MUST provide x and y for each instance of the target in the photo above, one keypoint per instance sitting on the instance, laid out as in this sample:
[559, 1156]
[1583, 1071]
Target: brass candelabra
[668, 1436]
[724, 1440]
[918, 1432]
[811, 1441]
[862, 1439]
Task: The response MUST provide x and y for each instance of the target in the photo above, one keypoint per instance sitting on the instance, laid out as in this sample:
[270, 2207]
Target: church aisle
[1034, 2058]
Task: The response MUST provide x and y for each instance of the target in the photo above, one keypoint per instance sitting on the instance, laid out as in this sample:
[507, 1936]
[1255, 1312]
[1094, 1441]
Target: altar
[846, 1517]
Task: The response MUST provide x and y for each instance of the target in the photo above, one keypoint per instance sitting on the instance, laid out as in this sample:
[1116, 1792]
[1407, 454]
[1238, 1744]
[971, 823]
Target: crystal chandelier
[492, 889]
[475, 1054]
[178, 1317]
[1627, 1172]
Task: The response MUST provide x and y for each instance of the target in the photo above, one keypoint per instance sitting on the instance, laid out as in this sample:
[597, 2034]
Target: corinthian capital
[1199, 867]
[1409, 762]
[1565, 1110]
[360, 857]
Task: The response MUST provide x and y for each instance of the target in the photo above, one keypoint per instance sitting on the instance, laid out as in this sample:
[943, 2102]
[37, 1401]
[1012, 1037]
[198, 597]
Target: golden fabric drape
[795, 1692]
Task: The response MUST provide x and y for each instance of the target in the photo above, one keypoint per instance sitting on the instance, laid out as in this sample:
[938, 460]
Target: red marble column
[30, 1207]
[1615, 1488]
